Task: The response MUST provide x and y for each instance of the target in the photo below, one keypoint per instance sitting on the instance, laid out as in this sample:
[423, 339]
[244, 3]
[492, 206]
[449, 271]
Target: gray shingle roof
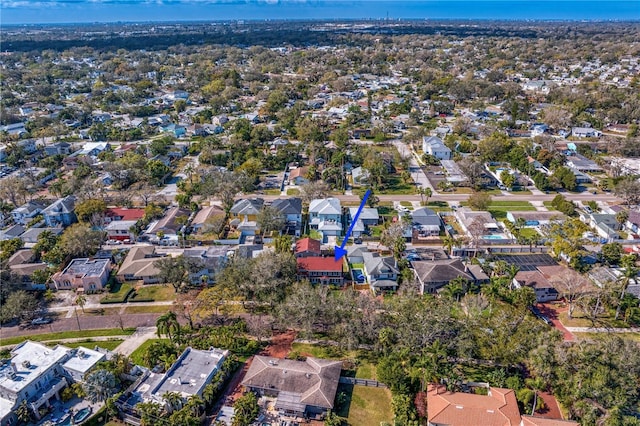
[314, 380]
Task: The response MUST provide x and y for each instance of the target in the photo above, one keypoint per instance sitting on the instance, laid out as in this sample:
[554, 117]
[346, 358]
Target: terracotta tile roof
[540, 421]
[320, 264]
[499, 408]
[308, 244]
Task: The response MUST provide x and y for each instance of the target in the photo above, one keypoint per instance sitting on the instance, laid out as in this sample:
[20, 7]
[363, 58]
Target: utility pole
[77, 318]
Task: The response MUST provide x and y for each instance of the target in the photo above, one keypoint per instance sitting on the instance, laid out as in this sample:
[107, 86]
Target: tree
[393, 238]
[9, 247]
[314, 190]
[474, 170]
[270, 219]
[283, 243]
[156, 171]
[175, 271]
[24, 412]
[630, 273]
[91, 211]
[100, 385]
[81, 300]
[168, 324]
[565, 178]
[556, 117]
[495, 147]
[479, 201]
[246, 410]
[612, 253]
[621, 217]
[572, 286]
[19, 304]
[507, 179]
[80, 240]
[425, 192]
[629, 191]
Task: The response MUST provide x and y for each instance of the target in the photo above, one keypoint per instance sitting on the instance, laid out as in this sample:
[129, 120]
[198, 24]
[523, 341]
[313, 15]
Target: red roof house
[307, 247]
[123, 214]
[320, 270]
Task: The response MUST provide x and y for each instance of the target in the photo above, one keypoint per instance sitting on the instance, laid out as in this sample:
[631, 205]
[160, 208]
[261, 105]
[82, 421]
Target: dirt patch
[280, 345]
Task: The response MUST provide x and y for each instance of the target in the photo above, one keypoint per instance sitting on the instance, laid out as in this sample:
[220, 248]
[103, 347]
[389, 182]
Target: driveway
[417, 174]
[134, 341]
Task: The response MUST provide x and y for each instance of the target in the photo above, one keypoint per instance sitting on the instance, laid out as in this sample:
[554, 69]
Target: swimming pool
[358, 275]
[492, 237]
[82, 415]
[65, 422]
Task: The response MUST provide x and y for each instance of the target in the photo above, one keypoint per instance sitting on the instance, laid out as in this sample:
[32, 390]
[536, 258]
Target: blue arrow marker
[340, 251]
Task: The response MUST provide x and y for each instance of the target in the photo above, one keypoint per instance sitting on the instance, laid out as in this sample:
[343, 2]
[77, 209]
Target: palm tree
[23, 412]
[174, 401]
[536, 385]
[81, 300]
[622, 216]
[630, 272]
[100, 385]
[168, 324]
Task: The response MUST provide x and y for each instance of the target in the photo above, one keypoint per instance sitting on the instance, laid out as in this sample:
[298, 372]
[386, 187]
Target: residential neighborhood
[328, 223]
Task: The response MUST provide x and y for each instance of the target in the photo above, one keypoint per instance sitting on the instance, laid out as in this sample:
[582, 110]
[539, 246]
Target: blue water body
[72, 11]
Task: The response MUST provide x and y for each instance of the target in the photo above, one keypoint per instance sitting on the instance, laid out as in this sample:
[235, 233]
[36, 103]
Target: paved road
[418, 176]
[87, 322]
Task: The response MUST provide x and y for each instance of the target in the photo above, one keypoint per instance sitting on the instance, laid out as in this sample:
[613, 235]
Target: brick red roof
[308, 244]
[500, 408]
[320, 264]
[126, 214]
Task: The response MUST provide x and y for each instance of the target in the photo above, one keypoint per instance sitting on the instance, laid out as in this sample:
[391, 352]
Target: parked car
[41, 321]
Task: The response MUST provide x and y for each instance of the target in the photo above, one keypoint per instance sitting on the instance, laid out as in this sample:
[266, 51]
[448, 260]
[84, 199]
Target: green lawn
[68, 335]
[365, 406]
[146, 309]
[549, 205]
[395, 186]
[529, 233]
[106, 344]
[318, 351]
[118, 293]
[438, 206]
[508, 203]
[406, 203]
[357, 266]
[136, 356]
[293, 191]
[156, 292]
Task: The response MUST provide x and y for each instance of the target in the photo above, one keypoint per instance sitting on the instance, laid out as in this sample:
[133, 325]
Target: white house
[434, 146]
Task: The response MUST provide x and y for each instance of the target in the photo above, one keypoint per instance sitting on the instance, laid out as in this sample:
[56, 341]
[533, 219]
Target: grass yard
[98, 311]
[320, 351]
[396, 186]
[548, 205]
[136, 356]
[68, 335]
[438, 206]
[146, 309]
[118, 293]
[513, 205]
[293, 191]
[579, 320]
[406, 203]
[156, 292]
[529, 233]
[365, 406]
[272, 192]
[105, 344]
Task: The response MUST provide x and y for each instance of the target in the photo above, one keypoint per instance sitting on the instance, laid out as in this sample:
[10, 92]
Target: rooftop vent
[26, 363]
[459, 407]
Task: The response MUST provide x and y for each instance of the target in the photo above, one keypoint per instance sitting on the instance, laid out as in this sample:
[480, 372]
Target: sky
[77, 11]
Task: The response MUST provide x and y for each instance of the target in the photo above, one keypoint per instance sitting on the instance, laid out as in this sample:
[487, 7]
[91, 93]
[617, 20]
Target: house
[188, 376]
[583, 164]
[585, 132]
[60, 148]
[534, 218]
[207, 263]
[381, 272]
[140, 265]
[368, 217]
[543, 421]
[435, 274]
[120, 230]
[298, 176]
[467, 219]
[37, 373]
[21, 264]
[169, 225]
[360, 176]
[325, 216]
[435, 147]
[115, 214]
[245, 213]
[30, 236]
[302, 388]
[498, 408]
[12, 232]
[61, 212]
[426, 223]
[199, 222]
[89, 275]
[320, 270]
[355, 253]
[545, 291]
[291, 209]
[604, 224]
[307, 247]
[14, 129]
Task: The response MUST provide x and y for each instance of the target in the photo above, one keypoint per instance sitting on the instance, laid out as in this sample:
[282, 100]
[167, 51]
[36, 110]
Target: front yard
[155, 292]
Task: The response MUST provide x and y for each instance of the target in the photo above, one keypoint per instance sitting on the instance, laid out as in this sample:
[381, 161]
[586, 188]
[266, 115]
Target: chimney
[179, 380]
